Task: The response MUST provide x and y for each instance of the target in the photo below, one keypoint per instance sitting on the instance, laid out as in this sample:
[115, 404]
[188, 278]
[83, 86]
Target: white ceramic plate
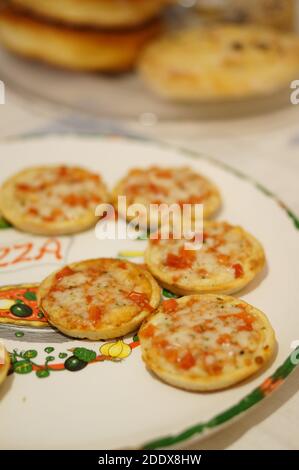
[119, 404]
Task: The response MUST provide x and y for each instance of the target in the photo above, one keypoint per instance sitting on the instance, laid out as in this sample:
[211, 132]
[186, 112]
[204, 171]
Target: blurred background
[60, 55]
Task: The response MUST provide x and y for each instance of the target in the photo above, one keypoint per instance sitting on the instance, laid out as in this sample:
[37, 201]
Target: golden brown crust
[100, 13]
[4, 368]
[71, 48]
[221, 63]
[173, 365]
[120, 317]
[208, 271]
[15, 212]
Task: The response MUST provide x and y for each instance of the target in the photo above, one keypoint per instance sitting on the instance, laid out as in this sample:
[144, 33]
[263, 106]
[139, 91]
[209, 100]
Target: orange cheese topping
[222, 258]
[207, 335]
[99, 293]
[166, 185]
[57, 194]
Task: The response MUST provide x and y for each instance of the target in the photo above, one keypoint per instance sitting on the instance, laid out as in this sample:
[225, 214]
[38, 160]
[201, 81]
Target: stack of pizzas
[200, 338]
[105, 35]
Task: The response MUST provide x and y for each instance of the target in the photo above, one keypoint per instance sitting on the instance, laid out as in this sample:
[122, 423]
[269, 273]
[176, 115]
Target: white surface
[267, 148]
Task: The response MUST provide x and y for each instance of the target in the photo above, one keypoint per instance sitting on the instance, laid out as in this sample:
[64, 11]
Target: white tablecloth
[264, 147]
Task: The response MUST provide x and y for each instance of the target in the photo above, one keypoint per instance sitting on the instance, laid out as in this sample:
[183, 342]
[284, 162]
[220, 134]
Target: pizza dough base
[253, 265]
[30, 224]
[104, 332]
[210, 383]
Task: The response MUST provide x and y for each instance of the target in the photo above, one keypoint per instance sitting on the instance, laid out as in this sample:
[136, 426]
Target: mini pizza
[219, 63]
[4, 364]
[229, 259]
[18, 306]
[52, 200]
[158, 185]
[206, 342]
[99, 299]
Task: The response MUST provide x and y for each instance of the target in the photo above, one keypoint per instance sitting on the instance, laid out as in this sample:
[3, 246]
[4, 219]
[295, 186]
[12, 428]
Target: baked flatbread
[159, 185]
[230, 258]
[99, 299]
[206, 342]
[52, 200]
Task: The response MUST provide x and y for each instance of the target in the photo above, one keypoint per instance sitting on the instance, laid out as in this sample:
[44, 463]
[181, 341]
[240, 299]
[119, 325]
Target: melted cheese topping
[58, 194]
[223, 257]
[205, 335]
[165, 185]
[90, 295]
